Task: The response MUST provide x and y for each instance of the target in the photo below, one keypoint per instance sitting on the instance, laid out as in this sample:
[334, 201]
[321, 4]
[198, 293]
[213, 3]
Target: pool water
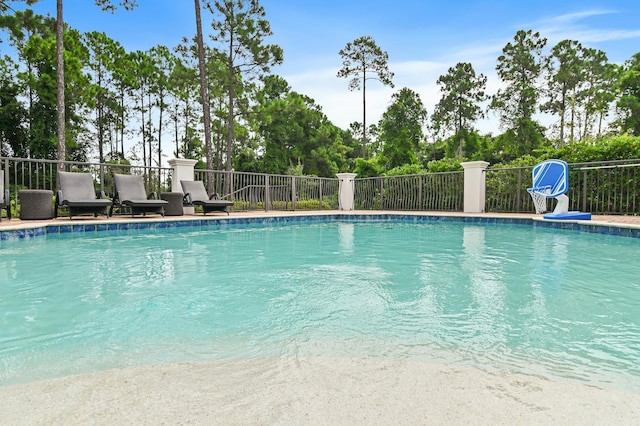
[499, 297]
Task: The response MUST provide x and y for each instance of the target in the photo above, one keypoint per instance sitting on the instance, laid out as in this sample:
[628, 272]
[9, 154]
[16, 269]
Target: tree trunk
[177, 139]
[60, 89]
[144, 142]
[100, 122]
[160, 137]
[206, 115]
[122, 125]
[364, 114]
[230, 120]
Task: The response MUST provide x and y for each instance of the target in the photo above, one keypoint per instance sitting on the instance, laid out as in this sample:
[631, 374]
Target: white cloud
[571, 27]
[343, 106]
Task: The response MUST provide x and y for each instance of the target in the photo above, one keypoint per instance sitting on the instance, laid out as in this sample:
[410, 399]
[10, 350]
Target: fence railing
[608, 187]
[27, 173]
[433, 191]
[611, 187]
[258, 191]
[248, 191]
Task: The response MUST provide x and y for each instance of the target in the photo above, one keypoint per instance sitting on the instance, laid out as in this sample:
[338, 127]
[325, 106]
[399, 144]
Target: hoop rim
[540, 190]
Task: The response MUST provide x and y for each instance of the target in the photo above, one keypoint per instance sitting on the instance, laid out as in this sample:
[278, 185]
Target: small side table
[36, 204]
[174, 208]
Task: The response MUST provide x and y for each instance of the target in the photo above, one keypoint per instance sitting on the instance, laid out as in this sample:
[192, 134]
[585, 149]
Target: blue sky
[422, 37]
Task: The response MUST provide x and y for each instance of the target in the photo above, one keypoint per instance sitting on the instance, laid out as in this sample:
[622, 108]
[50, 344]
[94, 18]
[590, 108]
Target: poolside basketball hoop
[551, 180]
[539, 196]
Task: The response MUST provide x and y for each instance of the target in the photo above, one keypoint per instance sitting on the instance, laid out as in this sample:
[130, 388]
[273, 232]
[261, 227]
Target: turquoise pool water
[504, 297]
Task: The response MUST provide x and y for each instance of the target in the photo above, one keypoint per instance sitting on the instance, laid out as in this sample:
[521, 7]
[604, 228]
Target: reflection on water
[486, 286]
[345, 235]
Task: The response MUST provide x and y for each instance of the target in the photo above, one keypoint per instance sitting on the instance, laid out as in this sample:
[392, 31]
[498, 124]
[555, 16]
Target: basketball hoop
[539, 196]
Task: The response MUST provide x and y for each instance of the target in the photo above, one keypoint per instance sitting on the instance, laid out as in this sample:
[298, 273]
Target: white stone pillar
[346, 188]
[183, 169]
[474, 186]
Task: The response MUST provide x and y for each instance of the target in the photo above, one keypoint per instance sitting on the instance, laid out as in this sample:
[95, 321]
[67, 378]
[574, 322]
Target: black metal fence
[433, 191]
[248, 191]
[259, 191]
[26, 173]
[609, 187]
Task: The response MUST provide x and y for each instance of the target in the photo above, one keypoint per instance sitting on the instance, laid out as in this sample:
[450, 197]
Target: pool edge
[28, 231]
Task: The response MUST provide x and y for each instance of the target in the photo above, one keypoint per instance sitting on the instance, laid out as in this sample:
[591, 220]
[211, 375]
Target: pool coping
[27, 231]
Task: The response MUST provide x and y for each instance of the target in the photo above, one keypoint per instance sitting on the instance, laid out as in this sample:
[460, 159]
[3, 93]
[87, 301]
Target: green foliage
[313, 205]
[406, 169]
[240, 29]
[462, 94]
[624, 147]
[113, 96]
[292, 128]
[12, 113]
[563, 82]
[401, 129]
[463, 144]
[284, 205]
[444, 165]
[110, 6]
[612, 148]
[367, 168]
[295, 170]
[519, 67]
[245, 161]
[629, 103]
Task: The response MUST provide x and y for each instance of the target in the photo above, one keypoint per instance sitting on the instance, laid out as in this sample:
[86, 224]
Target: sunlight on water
[500, 297]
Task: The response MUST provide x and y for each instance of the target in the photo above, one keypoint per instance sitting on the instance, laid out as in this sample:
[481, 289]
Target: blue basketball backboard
[552, 177]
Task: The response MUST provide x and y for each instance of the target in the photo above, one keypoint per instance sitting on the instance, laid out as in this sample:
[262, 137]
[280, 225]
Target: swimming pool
[503, 297]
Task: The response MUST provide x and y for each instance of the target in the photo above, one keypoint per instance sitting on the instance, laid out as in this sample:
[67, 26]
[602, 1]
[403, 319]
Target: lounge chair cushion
[196, 194]
[130, 187]
[79, 195]
[77, 187]
[195, 190]
[130, 192]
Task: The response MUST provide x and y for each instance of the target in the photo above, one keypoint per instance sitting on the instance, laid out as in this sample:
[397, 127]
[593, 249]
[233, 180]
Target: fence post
[474, 186]
[518, 198]
[584, 191]
[293, 192]
[182, 170]
[345, 190]
[267, 193]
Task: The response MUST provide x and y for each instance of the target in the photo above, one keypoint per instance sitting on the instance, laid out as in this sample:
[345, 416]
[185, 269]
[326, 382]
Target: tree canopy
[122, 105]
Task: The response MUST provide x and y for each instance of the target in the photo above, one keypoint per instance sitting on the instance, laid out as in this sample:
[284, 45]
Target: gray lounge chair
[5, 201]
[196, 195]
[130, 193]
[78, 194]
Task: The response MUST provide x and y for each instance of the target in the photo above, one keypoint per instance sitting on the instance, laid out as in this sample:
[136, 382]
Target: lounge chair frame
[5, 197]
